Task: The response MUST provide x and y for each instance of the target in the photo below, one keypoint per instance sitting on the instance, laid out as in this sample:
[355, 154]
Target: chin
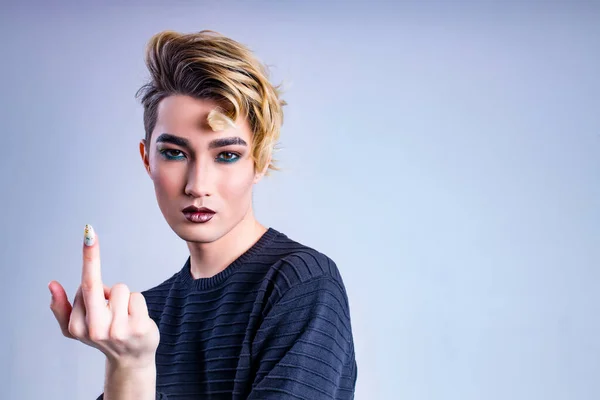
[207, 232]
[198, 235]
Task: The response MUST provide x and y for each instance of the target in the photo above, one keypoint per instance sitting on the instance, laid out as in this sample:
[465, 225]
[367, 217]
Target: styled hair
[208, 65]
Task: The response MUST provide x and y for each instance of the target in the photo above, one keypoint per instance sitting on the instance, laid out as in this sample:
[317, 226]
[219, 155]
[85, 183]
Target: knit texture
[275, 324]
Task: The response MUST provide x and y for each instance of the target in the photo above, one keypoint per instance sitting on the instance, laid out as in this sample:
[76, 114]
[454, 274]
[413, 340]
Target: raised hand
[113, 320]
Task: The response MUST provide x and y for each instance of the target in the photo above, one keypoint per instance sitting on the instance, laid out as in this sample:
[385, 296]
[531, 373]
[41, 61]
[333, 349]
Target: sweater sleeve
[304, 348]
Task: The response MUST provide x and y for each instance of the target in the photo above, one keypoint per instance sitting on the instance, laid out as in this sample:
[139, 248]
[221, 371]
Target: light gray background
[445, 155]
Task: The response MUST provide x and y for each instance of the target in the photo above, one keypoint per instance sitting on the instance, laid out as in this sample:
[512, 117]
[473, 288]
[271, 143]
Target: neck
[208, 259]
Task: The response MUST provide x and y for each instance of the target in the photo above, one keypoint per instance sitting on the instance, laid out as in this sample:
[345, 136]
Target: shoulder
[300, 266]
[308, 292]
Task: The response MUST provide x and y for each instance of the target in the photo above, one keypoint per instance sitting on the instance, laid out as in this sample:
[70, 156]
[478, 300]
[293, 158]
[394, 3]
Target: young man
[252, 314]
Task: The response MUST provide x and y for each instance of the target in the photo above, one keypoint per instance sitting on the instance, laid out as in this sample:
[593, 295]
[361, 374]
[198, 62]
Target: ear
[259, 174]
[144, 156]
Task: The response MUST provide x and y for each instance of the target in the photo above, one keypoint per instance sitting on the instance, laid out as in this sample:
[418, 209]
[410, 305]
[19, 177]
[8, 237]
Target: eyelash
[235, 155]
[164, 153]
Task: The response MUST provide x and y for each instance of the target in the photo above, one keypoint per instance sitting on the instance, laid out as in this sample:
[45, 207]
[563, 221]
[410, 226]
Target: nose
[198, 182]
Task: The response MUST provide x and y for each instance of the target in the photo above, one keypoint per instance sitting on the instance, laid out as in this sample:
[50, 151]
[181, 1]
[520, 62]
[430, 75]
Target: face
[192, 165]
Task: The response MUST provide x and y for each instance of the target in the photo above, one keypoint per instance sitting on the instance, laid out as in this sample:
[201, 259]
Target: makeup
[89, 236]
[198, 214]
[219, 121]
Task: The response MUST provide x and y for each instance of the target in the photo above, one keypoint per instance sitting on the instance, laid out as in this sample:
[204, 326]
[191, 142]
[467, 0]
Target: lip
[194, 209]
[198, 214]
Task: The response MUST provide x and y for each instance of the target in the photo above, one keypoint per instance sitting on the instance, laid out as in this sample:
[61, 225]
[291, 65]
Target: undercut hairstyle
[208, 65]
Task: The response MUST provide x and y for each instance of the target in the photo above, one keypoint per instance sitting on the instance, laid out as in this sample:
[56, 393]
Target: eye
[227, 157]
[171, 154]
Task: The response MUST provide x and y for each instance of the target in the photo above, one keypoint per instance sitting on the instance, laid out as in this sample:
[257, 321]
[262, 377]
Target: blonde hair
[208, 65]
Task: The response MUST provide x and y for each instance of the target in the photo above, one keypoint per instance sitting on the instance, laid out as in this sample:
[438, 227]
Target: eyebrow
[214, 144]
[228, 141]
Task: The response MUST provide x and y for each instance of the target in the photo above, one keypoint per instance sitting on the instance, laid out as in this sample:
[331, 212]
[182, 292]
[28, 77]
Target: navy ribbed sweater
[275, 324]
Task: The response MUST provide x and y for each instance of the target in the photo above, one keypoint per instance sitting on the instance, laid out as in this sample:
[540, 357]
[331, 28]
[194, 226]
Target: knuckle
[67, 334]
[138, 302]
[137, 296]
[121, 287]
[134, 299]
[138, 330]
[86, 286]
[117, 335]
[75, 329]
[96, 335]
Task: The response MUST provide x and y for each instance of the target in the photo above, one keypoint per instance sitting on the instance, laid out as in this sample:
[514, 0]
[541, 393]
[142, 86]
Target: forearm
[130, 384]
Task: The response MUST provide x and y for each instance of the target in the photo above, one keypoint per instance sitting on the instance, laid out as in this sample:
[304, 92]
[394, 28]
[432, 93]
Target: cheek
[167, 181]
[236, 185]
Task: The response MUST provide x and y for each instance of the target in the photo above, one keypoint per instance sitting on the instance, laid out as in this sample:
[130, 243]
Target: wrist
[127, 364]
[135, 382]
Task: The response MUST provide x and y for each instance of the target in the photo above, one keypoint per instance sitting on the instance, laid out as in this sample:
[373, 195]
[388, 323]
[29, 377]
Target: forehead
[187, 116]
